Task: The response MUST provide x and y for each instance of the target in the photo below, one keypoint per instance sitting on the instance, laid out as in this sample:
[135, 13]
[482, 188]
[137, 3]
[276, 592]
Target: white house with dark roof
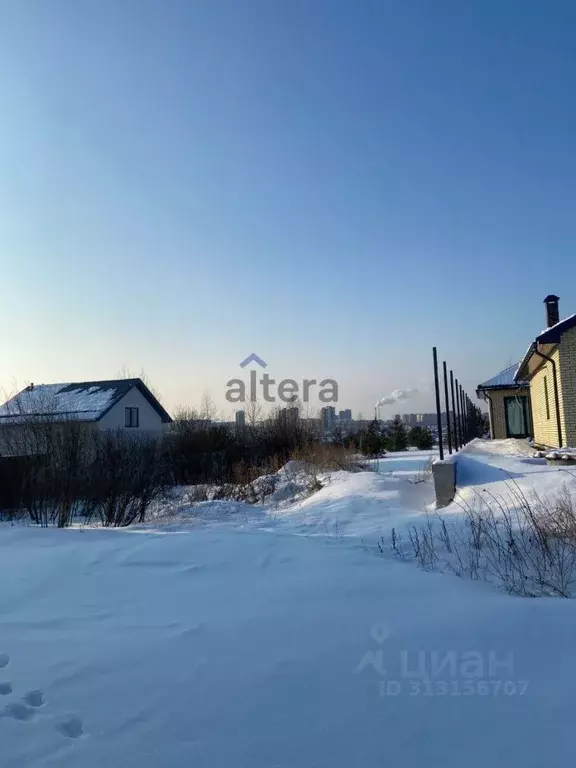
[116, 404]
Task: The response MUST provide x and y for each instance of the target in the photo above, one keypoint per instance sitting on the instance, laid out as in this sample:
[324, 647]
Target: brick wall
[544, 418]
[568, 385]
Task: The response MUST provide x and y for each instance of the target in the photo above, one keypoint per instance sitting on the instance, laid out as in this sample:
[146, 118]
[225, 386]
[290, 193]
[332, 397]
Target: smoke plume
[397, 395]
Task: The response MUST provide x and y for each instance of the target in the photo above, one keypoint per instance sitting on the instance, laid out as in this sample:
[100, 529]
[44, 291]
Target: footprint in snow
[5, 688]
[34, 698]
[22, 710]
[18, 710]
[71, 727]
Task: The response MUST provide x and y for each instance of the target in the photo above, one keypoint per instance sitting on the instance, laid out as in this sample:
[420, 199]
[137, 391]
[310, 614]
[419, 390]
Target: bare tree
[126, 373]
[184, 413]
[254, 412]
[207, 406]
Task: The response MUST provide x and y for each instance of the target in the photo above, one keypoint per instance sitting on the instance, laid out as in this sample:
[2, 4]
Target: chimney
[552, 311]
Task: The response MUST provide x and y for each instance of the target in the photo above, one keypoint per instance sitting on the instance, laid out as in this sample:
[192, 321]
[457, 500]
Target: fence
[462, 419]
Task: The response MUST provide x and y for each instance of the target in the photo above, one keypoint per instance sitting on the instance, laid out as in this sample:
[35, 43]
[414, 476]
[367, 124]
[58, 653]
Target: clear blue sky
[333, 185]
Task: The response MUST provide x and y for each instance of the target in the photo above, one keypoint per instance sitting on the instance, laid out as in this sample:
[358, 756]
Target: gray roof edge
[505, 379]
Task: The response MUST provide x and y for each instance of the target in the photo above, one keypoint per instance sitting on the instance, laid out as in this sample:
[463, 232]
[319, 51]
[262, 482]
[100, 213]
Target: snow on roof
[84, 401]
[503, 379]
[527, 355]
[549, 335]
[554, 332]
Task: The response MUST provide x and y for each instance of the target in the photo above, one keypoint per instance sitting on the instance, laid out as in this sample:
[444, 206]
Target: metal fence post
[438, 414]
[459, 416]
[456, 442]
[447, 408]
[464, 424]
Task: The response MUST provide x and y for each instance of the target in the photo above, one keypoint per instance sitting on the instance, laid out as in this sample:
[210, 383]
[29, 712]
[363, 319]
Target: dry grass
[525, 544]
[327, 457]
[254, 484]
[423, 475]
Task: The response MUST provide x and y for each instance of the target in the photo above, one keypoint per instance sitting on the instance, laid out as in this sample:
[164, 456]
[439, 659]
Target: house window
[516, 413]
[546, 397]
[132, 417]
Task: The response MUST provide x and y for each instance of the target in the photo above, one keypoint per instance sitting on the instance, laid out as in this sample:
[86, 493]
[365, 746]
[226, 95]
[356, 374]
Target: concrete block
[444, 474]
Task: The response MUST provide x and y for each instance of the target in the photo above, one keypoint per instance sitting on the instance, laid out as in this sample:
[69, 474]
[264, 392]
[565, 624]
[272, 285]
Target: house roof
[81, 401]
[503, 379]
[550, 335]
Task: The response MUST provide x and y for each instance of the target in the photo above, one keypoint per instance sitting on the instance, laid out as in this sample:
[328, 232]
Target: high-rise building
[328, 419]
[240, 418]
[427, 419]
[291, 413]
[345, 421]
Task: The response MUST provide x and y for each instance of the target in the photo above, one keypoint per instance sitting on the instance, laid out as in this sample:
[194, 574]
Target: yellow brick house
[549, 368]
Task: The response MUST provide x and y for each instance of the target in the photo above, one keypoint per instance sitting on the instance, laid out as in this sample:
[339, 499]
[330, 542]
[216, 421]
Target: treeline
[59, 472]
[379, 439]
[68, 471]
[211, 453]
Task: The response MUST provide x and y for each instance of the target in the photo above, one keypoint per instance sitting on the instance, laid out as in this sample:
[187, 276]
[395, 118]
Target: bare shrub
[527, 545]
[198, 493]
[125, 475]
[44, 457]
[396, 542]
[423, 475]
[47, 464]
[423, 540]
[200, 452]
[329, 457]
[225, 491]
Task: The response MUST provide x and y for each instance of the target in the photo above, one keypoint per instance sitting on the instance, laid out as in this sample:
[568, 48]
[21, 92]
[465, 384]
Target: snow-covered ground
[207, 641]
[359, 504]
[498, 467]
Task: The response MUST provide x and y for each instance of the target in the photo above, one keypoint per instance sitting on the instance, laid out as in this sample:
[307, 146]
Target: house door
[516, 409]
